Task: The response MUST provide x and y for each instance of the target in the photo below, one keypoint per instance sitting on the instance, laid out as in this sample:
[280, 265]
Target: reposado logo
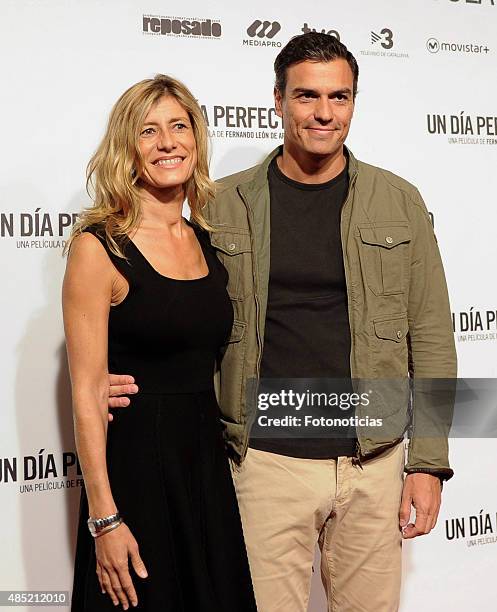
[159, 25]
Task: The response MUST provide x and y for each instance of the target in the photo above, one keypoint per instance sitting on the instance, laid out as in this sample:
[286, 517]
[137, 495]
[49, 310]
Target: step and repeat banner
[426, 110]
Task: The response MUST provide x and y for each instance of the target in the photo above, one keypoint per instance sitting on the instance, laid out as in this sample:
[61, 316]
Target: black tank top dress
[166, 458]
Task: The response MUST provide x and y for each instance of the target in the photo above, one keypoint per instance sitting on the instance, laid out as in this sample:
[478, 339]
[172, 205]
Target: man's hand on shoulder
[424, 493]
[120, 386]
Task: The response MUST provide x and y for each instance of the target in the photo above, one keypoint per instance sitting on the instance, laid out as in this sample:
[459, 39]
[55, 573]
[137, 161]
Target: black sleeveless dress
[166, 459]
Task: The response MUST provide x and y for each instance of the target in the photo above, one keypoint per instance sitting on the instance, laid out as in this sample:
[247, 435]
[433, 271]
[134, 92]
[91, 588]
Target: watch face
[93, 524]
[96, 525]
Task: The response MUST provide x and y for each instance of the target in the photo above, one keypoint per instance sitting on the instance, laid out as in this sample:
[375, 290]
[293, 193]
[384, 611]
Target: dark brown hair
[314, 47]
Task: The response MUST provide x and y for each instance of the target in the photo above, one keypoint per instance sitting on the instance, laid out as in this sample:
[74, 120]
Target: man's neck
[311, 169]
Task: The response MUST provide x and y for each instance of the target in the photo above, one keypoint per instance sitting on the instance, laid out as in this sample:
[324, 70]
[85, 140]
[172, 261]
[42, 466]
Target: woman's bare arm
[89, 284]
[86, 298]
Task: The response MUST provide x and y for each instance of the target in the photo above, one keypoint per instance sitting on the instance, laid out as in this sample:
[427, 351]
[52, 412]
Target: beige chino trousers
[287, 505]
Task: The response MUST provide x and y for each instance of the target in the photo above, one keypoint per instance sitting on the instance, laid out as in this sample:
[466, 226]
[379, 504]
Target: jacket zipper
[358, 448]
[255, 278]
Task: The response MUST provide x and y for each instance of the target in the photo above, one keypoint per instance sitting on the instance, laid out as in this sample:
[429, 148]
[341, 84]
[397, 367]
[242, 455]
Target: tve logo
[306, 29]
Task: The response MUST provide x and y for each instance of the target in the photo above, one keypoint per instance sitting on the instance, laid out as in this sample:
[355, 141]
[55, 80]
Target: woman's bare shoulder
[88, 260]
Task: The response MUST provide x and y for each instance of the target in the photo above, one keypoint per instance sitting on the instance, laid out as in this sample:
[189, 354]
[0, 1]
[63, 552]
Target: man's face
[316, 107]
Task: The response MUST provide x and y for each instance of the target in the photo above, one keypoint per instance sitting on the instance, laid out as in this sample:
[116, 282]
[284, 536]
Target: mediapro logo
[261, 34]
[263, 29]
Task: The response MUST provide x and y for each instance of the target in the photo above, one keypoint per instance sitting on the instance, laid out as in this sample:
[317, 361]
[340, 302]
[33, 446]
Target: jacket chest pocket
[235, 252]
[384, 255]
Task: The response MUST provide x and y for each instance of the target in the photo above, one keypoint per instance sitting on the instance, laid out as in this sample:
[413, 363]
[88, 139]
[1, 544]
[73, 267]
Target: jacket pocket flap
[386, 237]
[237, 331]
[394, 329]
[231, 243]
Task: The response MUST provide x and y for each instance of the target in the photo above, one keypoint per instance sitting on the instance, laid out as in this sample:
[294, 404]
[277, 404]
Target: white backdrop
[426, 110]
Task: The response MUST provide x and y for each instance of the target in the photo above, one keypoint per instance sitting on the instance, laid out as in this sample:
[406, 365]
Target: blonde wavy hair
[115, 168]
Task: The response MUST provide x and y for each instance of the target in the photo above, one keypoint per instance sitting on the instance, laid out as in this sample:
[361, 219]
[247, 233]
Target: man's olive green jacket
[399, 313]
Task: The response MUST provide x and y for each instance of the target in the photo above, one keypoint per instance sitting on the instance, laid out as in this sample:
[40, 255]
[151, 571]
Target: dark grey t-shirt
[307, 333]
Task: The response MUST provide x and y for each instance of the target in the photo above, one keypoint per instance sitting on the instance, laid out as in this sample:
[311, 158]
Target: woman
[144, 292]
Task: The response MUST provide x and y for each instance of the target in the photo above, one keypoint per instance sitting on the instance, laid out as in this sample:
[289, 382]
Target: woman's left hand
[113, 550]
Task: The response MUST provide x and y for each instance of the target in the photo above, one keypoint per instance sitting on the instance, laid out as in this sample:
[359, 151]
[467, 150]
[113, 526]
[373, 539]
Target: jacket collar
[259, 180]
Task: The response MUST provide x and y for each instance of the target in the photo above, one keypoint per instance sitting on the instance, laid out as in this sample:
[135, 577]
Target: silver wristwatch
[97, 525]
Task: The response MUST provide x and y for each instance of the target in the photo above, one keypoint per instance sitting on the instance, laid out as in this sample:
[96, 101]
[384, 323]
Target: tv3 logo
[385, 36]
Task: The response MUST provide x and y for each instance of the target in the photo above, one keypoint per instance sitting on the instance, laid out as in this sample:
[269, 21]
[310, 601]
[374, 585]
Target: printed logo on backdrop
[464, 129]
[42, 471]
[261, 34]
[383, 43]
[476, 530]
[38, 230]
[433, 45]
[480, 2]
[182, 27]
[475, 325]
[250, 122]
[384, 38]
[306, 29]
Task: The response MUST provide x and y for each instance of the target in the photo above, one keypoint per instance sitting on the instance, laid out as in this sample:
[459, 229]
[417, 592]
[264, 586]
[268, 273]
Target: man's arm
[432, 359]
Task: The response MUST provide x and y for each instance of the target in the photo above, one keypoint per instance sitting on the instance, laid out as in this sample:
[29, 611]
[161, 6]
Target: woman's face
[167, 144]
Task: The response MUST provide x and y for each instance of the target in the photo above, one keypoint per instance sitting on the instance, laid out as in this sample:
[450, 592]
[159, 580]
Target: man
[334, 272]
